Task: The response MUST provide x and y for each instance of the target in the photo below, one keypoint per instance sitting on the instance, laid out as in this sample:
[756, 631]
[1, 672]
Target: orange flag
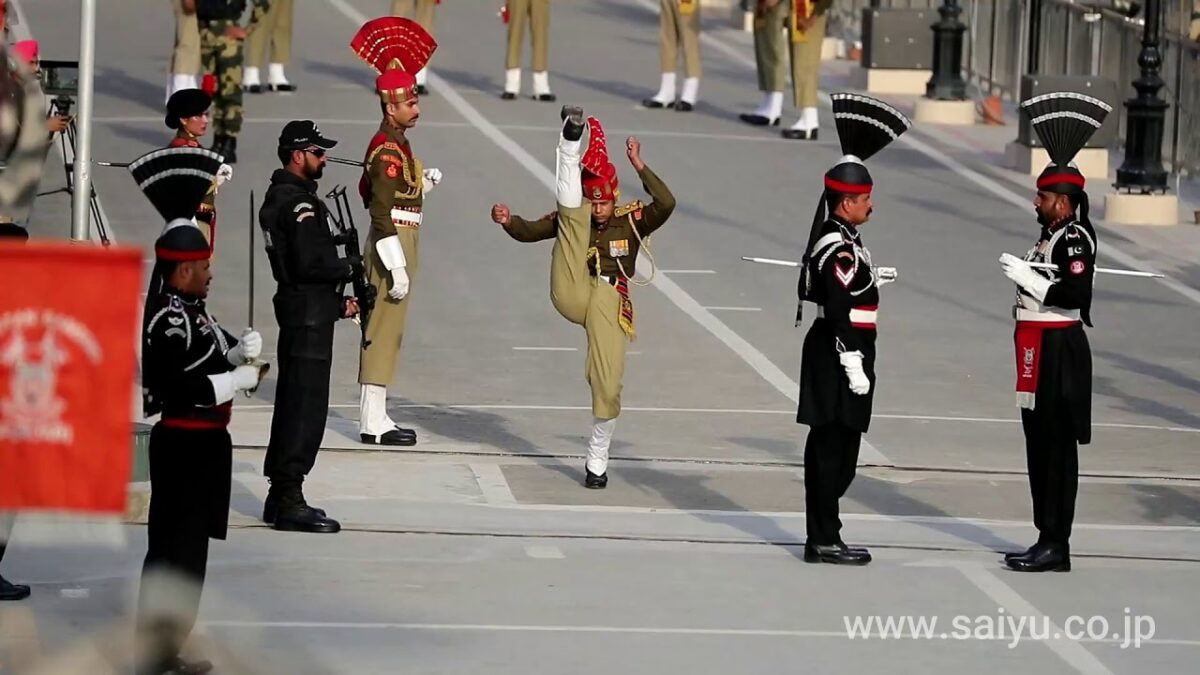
[68, 341]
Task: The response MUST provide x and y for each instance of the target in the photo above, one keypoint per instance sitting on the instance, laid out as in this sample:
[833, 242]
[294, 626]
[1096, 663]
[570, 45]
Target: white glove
[885, 275]
[245, 377]
[247, 349]
[225, 385]
[1024, 276]
[399, 287]
[431, 179]
[223, 174]
[852, 362]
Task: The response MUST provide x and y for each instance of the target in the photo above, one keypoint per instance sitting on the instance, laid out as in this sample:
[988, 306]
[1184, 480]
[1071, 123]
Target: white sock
[541, 83]
[250, 76]
[691, 86]
[372, 411]
[774, 105]
[666, 90]
[512, 81]
[275, 74]
[568, 191]
[597, 454]
[423, 76]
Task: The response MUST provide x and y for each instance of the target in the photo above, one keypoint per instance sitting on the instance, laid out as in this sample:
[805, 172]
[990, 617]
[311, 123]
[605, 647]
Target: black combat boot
[595, 481]
[11, 591]
[293, 514]
[836, 554]
[574, 125]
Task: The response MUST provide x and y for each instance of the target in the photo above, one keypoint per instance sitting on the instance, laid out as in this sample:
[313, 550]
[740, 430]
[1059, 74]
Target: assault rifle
[347, 237]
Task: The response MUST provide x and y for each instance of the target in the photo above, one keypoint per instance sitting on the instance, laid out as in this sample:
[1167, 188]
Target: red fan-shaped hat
[396, 48]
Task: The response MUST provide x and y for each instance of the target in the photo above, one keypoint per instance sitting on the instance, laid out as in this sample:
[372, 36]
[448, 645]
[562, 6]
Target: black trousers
[301, 403]
[190, 472]
[830, 460]
[1052, 455]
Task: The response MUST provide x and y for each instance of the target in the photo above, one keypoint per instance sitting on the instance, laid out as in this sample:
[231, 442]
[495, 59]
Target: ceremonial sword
[1045, 266]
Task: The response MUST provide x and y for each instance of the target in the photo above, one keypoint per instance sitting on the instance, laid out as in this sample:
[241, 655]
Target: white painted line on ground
[648, 630]
[687, 271]
[545, 349]
[712, 308]
[1071, 652]
[989, 184]
[493, 484]
[740, 346]
[544, 552]
[729, 411]
[511, 628]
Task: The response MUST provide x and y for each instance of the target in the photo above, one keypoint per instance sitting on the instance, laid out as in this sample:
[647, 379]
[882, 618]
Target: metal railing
[1008, 38]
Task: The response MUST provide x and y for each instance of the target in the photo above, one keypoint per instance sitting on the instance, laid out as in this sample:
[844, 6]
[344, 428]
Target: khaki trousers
[772, 41]
[385, 329]
[676, 29]
[274, 30]
[592, 303]
[185, 60]
[420, 11]
[537, 14]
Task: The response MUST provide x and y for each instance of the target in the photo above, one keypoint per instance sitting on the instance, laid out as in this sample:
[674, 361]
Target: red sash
[1028, 340]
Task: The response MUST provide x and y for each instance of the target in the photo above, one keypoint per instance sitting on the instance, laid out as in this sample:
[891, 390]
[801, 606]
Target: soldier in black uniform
[837, 369]
[1053, 359]
[310, 274]
[191, 371]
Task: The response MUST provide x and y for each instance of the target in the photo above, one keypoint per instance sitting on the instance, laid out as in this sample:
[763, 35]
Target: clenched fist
[500, 214]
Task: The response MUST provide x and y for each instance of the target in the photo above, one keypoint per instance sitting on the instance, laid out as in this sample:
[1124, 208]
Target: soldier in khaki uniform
[273, 32]
[680, 27]
[516, 14]
[393, 188]
[803, 23]
[422, 11]
[596, 245]
[185, 58]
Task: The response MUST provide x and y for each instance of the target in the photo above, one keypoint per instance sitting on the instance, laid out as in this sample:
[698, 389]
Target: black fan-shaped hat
[1065, 121]
[866, 125]
[175, 180]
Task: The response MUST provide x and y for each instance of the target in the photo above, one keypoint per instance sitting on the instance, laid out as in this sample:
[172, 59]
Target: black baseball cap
[300, 134]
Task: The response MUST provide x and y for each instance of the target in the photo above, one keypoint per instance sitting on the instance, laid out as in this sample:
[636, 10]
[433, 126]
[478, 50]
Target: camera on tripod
[60, 79]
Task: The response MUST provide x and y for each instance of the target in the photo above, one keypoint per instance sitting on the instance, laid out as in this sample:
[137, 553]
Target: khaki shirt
[617, 243]
[392, 179]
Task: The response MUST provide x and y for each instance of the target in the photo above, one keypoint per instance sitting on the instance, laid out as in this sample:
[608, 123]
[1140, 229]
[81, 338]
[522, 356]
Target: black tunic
[843, 286]
[1064, 388]
[183, 345]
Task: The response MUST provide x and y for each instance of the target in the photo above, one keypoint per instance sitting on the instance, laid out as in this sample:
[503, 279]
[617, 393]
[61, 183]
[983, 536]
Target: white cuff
[223, 389]
[391, 253]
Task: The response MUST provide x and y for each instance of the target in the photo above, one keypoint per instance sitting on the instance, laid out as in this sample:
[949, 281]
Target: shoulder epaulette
[626, 209]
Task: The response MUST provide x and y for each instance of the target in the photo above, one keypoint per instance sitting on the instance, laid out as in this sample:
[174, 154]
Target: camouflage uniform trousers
[222, 56]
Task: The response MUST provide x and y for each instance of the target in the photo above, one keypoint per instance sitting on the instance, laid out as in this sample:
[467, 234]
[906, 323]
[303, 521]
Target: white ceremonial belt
[406, 218]
[859, 317]
[1022, 314]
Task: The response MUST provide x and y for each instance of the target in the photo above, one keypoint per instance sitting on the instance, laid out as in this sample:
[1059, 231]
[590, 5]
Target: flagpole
[82, 180]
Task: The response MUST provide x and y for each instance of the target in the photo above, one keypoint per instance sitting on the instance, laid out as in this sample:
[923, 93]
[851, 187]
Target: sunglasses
[315, 152]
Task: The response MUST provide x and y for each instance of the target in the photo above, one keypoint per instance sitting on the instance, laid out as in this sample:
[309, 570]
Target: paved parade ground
[478, 550]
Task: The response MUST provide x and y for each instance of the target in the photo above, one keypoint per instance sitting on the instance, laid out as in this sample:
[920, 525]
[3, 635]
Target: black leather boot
[836, 554]
[595, 482]
[573, 116]
[295, 515]
[271, 506]
[1043, 558]
[11, 591]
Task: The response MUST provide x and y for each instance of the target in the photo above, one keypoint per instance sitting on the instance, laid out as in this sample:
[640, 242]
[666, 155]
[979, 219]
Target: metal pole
[1146, 114]
[81, 198]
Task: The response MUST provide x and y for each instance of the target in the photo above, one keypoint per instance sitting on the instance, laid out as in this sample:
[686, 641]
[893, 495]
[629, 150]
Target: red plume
[389, 42]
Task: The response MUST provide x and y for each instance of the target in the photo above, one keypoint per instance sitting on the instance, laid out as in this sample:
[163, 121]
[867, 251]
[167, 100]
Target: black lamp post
[1146, 117]
[947, 83]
